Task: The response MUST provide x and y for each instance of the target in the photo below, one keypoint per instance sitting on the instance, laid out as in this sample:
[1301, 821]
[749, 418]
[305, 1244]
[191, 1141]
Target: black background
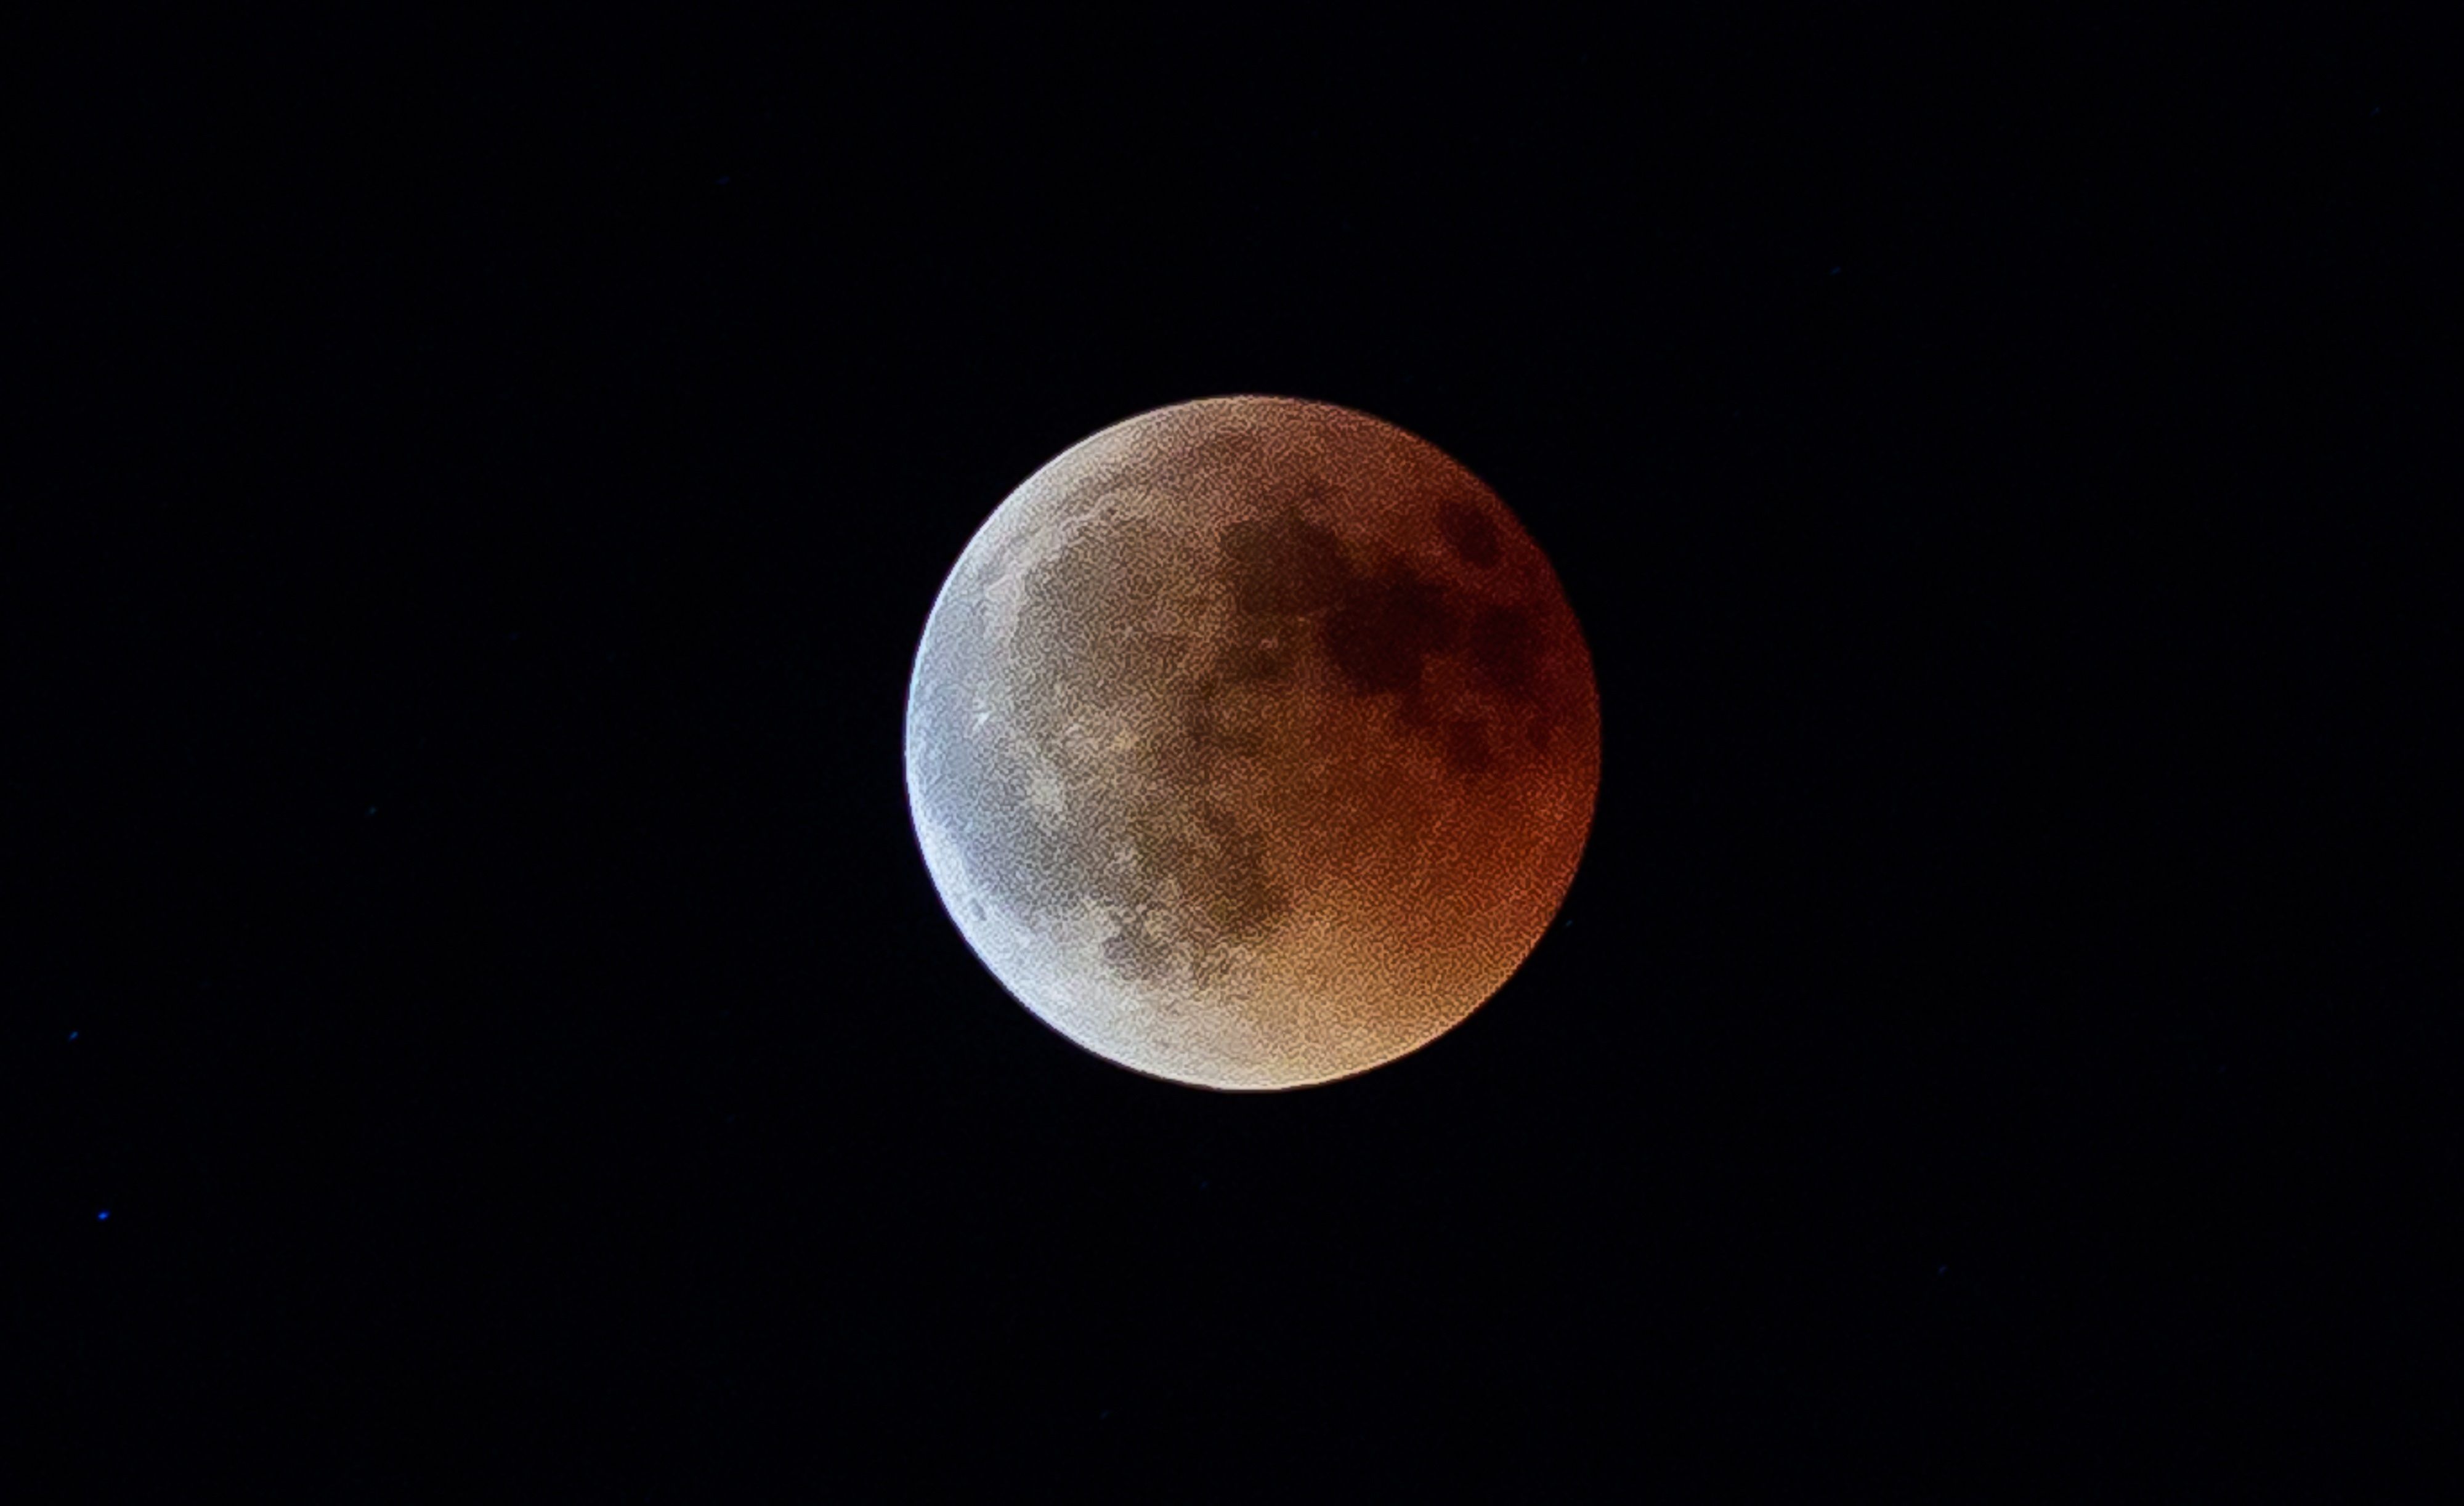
[482, 492]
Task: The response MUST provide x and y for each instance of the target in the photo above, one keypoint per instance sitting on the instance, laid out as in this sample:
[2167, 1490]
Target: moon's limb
[1252, 743]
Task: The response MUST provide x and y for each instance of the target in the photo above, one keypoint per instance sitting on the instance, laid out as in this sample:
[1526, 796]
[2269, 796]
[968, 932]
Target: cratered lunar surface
[1251, 743]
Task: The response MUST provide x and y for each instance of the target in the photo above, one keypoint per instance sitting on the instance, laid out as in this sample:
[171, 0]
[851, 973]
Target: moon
[1251, 743]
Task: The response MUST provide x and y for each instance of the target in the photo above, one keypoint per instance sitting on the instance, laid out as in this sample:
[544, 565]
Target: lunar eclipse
[1251, 743]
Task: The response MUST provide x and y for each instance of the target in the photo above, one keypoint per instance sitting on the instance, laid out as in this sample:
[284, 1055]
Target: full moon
[1251, 743]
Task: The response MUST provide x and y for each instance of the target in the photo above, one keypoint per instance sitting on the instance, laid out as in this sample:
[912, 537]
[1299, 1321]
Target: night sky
[478, 496]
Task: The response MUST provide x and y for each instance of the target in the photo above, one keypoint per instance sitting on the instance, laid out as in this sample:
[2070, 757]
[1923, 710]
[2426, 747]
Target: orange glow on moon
[1251, 743]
